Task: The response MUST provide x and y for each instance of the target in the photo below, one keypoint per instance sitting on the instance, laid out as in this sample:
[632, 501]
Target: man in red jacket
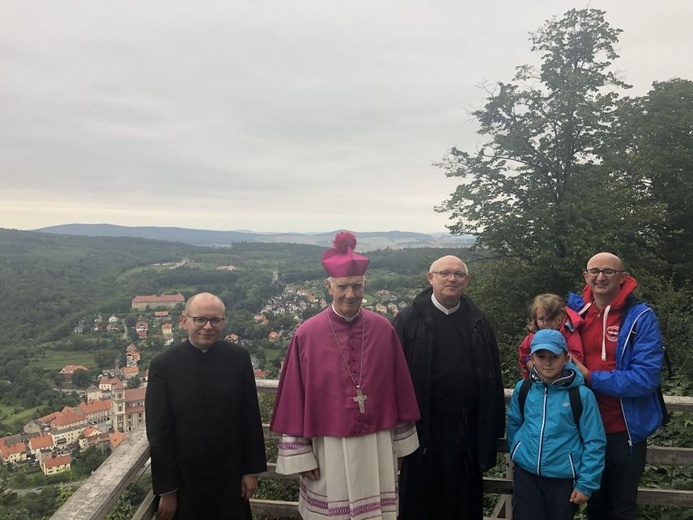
[623, 358]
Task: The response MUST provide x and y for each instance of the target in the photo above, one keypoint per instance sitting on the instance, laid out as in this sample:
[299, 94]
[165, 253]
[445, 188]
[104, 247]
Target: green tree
[106, 358]
[133, 382]
[655, 151]
[528, 193]
[82, 378]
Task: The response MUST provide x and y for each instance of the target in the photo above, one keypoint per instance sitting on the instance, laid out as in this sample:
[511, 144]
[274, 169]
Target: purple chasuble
[315, 397]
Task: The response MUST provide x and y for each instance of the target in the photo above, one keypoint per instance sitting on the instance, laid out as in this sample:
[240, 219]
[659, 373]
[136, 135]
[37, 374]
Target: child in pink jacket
[548, 311]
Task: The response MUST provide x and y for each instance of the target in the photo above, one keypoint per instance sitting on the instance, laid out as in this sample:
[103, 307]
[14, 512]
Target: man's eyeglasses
[201, 321]
[594, 272]
[459, 275]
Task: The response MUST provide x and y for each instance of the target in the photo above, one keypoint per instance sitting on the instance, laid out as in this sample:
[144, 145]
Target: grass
[56, 360]
[9, 416]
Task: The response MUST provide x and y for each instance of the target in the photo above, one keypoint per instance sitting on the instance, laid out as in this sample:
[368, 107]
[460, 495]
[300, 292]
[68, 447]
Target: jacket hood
[619, 300]
[573, 320]
[617, 303]
[570, 377]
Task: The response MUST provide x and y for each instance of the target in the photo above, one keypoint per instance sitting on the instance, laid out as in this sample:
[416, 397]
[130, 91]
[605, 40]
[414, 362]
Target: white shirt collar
[441, 308]
[346, 318]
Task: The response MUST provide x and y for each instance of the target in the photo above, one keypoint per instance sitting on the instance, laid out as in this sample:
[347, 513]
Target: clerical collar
[440, 306]
[346, 318]
[203, 350]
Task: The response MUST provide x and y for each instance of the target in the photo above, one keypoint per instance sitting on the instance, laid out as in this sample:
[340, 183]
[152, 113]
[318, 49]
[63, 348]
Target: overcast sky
[291, 115]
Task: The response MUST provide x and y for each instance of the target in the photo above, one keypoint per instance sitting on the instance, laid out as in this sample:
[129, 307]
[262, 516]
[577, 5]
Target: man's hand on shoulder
[582, 368]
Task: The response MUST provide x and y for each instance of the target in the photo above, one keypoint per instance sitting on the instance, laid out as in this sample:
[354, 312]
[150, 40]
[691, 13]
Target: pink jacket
[571, 332]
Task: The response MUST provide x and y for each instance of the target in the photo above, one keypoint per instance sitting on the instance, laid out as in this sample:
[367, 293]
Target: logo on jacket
[612, 333]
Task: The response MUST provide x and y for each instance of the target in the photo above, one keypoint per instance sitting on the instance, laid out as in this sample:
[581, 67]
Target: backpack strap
[522, 396]
[573, 394]
[576, 406]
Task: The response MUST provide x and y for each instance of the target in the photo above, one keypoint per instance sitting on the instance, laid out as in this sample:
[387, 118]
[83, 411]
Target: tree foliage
[569, 168]
[653, 146]
[528, 193]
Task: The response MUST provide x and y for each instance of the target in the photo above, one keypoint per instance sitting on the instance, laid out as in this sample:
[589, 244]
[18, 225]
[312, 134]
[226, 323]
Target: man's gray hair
[432, 268]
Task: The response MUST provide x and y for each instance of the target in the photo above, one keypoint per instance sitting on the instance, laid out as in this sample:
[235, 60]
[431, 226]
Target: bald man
[453, 358]
[623, 358]
[203, 421]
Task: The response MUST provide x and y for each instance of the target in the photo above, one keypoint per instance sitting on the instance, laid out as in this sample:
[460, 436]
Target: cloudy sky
[291, 115]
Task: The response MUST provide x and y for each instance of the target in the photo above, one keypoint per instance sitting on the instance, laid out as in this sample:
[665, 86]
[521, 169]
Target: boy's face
[549, 365]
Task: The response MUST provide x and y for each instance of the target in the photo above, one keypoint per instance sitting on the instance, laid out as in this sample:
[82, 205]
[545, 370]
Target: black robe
[461, 419]
[204, 429]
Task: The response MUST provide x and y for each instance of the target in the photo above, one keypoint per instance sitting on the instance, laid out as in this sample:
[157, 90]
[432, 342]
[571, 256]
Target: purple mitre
[341, 261]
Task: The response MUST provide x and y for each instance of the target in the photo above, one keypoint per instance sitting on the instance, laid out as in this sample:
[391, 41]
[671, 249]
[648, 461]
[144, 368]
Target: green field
[8, 415]
[54, 360]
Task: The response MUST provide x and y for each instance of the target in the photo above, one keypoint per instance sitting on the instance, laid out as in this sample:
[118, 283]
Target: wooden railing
[98, 494]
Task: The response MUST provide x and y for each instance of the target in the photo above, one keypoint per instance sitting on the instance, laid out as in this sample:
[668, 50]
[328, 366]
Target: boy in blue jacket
[558, 463]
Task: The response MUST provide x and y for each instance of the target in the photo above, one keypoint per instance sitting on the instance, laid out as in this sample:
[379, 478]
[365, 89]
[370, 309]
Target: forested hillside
[51, 285]
[46, 280]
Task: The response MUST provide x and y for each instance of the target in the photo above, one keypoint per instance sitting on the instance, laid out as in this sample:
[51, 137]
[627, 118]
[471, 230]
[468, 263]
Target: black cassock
[455, 368]
[204, 429]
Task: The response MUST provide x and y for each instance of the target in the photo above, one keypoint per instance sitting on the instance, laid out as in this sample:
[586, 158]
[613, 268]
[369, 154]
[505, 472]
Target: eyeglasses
[594, 272]
[201, 321]
[459, 275]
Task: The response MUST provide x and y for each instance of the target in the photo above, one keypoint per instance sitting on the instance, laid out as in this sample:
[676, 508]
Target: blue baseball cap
[549, 339]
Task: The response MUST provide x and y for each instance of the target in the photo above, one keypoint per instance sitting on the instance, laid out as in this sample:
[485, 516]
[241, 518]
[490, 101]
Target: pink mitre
[341, 261]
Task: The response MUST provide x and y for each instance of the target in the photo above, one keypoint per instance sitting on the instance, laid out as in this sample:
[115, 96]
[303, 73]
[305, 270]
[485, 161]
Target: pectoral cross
[360, 398]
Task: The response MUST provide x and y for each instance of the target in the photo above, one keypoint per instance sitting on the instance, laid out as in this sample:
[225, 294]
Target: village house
[166, 330]
[13, 452]
[112, 327]
[142, 328]
[153, 301]
[55, 465]
[308, 296]
[41, 442]
[92, 437]
[107, 384]
[67, 426]
[132, 355]
[93, 393]
[130, 372]
[116, 438]
[96, 412]
[68, 370]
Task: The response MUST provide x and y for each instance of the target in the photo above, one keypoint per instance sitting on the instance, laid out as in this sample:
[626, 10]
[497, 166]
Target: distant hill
[51, 281]
[367, 241]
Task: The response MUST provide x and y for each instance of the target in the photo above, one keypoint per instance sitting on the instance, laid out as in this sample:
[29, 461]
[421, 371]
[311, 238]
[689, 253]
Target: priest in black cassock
[453, 358]
[203, 421]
